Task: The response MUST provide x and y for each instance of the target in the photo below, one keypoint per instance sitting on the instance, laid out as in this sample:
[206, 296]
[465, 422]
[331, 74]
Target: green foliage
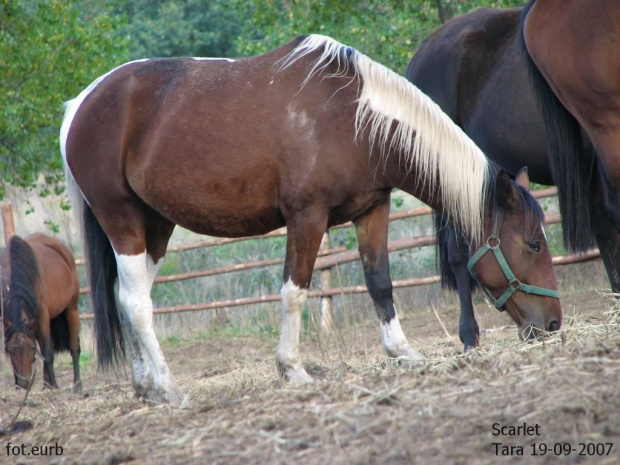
[386, 31]
[50, 50]
[166, 28]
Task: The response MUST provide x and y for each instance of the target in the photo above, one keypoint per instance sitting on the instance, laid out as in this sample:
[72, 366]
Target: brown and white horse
[40, 295]
[309, 135]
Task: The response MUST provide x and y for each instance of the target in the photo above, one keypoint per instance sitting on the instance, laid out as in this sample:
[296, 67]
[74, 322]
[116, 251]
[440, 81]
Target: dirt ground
[362, 409]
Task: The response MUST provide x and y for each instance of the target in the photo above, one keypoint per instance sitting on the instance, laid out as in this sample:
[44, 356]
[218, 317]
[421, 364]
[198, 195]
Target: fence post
[7, 222]
[327, 314]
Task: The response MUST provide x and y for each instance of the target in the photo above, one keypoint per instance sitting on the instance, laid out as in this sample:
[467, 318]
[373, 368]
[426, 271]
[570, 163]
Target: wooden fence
[329, 257]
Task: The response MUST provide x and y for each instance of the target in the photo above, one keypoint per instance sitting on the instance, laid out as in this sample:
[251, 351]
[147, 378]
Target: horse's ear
[523, 178]
[506, 192]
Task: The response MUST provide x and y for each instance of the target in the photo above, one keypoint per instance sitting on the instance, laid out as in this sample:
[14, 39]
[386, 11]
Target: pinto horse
[40, 294]
[474, 68]
[309, 135]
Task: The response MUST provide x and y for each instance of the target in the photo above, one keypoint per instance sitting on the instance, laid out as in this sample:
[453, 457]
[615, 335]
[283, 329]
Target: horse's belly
[232, 224]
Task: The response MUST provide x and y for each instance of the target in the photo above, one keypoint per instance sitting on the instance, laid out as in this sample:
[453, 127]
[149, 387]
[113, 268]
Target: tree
[50, 51]
[387, 31]
[166, 28]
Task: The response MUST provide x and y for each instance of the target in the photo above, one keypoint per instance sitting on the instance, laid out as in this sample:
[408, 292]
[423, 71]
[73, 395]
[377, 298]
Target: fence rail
[329, 257]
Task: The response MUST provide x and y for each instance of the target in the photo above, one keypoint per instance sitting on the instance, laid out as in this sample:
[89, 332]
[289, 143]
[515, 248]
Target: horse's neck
[398, 175]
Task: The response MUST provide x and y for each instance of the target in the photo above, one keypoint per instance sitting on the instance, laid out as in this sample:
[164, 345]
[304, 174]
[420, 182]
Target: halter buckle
[490, 241]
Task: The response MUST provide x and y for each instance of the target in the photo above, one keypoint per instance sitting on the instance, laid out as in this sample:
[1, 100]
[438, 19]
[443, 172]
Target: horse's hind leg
[73, 321]
[151, 376]
[304, 236]
[371, 230]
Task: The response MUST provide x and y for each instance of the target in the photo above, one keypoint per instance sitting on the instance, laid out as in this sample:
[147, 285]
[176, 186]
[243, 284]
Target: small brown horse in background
[40, 294]
[309, 135]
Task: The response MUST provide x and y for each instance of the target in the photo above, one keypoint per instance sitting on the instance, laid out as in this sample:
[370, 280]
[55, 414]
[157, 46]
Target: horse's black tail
[102, 271]
[442, 234]
[59, 329]
[570, 167]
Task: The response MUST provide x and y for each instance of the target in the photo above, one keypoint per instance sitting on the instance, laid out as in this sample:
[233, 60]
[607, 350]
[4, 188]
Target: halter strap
[514, 285]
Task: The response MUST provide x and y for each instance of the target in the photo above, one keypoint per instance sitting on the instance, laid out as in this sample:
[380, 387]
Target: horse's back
[215, 146]
[57, 271]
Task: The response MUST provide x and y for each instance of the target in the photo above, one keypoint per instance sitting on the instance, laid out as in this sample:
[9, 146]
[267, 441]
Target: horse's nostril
[553, 326]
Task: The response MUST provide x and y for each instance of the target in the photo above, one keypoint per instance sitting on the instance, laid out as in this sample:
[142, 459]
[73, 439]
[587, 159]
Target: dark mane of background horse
[22, 294]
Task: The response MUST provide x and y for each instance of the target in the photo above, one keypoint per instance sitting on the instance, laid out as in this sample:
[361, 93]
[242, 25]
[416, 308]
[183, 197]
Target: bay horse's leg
[45, 344]
[73, 321]
[372, 232]
[458, 256]
[304, 235]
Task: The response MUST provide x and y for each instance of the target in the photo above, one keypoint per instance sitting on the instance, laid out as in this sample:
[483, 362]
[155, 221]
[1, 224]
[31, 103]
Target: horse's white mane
[424, 135]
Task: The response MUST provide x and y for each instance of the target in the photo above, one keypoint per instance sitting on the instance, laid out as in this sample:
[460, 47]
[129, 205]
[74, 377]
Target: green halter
[514, 284]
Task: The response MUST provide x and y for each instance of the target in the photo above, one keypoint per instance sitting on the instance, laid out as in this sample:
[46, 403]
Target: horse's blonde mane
[423, 134]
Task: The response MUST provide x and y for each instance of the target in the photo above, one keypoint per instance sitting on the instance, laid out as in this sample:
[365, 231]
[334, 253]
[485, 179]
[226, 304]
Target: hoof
[172, 396]
[468, 348]
[408, 356]
[77, 388]
[296, 374]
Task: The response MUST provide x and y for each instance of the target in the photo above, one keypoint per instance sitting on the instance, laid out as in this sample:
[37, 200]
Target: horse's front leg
[305, 231]
[458, 256]
[372, 231]
[73, 321]
[45, 343]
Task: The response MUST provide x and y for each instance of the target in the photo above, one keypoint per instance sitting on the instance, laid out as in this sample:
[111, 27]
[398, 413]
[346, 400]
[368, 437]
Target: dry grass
[361, 409]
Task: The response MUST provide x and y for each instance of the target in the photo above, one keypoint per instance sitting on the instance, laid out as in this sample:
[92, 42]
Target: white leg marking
[287, 355]
[136, 274]
[395, 343]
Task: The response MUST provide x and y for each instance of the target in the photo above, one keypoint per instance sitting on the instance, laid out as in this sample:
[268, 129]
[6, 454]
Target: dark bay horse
[40, 294]
[474, 68]
[309, 135]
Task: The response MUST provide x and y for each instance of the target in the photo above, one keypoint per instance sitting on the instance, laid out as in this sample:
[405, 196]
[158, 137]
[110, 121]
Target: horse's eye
[534, 246]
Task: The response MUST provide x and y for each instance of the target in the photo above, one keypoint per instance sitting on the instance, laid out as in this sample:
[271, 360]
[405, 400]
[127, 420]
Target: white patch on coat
[287, 353]
[229, 60]
[304, 128]
[395, 343]
[135, 279]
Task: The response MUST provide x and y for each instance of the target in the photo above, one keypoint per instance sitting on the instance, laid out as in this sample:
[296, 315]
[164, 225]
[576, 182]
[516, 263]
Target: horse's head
[20, 345]
[513, 265]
